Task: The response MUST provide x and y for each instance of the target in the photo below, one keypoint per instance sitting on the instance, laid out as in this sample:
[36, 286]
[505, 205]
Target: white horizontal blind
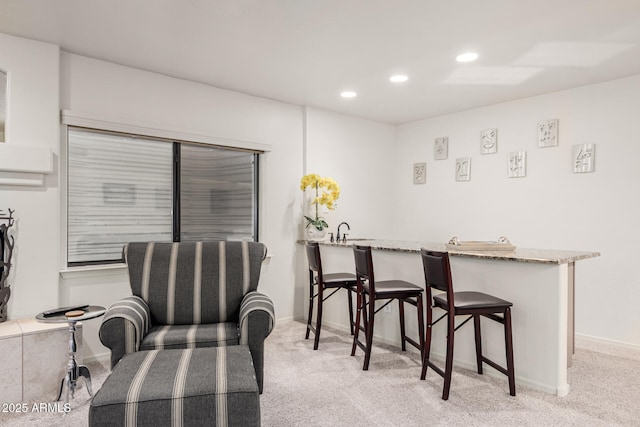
[217, 194]
[119, 191]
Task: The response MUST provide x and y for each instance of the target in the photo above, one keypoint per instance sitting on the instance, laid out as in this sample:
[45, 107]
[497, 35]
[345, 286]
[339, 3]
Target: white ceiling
[307, 51]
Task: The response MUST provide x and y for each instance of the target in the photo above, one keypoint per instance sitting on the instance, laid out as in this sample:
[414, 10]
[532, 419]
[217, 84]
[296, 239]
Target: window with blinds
[217, 194]
[124, 188]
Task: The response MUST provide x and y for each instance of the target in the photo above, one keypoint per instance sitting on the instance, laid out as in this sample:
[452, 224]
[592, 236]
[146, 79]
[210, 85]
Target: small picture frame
[584, 158]
[441, 148]
[548, 133]
[517, 164]
[463, 169]
[419, 173]
[489, 141]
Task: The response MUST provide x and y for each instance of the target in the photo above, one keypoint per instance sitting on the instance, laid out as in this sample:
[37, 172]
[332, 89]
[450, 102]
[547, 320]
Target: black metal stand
[6, 248]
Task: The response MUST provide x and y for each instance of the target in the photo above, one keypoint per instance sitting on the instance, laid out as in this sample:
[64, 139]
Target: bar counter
[548, 256]
[539, 282]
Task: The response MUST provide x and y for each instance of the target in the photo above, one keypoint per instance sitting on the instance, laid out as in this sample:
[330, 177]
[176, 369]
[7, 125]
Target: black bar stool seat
[385, 287]
[337, 280]
[469, 300]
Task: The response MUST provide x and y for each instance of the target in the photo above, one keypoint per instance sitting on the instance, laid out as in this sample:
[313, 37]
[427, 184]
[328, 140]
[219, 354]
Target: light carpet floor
[327, 387]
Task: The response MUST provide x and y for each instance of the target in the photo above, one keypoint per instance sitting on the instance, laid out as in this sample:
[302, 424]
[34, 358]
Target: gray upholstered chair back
[193, 282]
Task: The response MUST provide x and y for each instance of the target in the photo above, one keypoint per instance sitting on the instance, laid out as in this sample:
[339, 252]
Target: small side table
[73, 370]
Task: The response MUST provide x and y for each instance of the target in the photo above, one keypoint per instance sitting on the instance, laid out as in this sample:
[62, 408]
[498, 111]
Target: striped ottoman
[190, 387]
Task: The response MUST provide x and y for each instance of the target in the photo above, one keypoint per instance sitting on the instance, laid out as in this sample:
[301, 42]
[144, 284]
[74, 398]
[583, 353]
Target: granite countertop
[545, 256]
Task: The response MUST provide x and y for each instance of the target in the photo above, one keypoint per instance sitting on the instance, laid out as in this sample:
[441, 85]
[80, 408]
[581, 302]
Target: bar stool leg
[369, 332]
[420, 324]
[478, 337]
[449, 360]
[310, 306]
[350, 302]
[509, 345]
[318, 318]
[427, 341]
[356, 329]
[403, 334]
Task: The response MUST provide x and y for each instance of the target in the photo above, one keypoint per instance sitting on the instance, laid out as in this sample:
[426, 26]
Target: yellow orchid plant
[327, 192]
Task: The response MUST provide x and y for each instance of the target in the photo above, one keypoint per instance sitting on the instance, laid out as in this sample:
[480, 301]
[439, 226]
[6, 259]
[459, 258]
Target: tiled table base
[34, 357]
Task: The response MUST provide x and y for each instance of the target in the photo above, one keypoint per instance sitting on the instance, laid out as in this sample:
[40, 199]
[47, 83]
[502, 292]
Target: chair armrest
[257, 319]
[124, 325]
[256, 307]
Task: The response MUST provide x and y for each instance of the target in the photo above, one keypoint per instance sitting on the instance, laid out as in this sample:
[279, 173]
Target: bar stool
[437, 273]
[370, 291]
[334, 281]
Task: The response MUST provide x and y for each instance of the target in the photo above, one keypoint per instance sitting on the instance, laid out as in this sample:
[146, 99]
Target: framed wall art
[441, 148]
[463, 169]
[548, 133]
[419, 173]
[489, 141]
[584, 158]
[517, 164]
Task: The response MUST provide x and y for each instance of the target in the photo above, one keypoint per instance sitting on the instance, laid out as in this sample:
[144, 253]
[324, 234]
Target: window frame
[71, 122]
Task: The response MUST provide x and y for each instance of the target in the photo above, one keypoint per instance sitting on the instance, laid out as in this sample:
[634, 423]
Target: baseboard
[604, 345]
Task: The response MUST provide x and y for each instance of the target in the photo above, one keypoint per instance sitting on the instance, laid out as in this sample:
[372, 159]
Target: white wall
[551, 207]
[357, 154]
[32, 121]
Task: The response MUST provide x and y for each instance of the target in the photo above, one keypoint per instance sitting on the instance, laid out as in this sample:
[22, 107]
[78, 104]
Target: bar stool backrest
[364, 266]
[313, 257]
[437, 272]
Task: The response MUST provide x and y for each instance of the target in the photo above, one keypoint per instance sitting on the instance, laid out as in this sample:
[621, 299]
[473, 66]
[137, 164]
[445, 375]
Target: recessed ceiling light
[467, 57]
[348, 94]
[399, 78]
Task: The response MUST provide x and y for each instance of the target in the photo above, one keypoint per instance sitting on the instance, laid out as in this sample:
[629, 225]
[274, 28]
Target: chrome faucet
[344, 239]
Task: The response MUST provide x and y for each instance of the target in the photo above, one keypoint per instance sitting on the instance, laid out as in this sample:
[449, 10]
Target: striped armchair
[188, 295]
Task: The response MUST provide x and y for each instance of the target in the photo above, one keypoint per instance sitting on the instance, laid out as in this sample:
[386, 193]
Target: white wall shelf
[24, 165]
